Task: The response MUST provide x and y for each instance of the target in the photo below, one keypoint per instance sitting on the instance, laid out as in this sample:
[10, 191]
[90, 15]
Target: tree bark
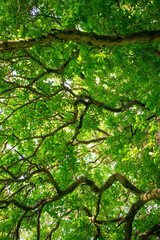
[77, 36]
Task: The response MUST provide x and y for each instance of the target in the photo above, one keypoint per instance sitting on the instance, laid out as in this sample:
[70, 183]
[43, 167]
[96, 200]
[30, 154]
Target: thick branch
[124, 181]
[97, 206]
[38, 222]
[16, 233]
[121, 109]
[115, 177]
[144, 198]
[130, 218]
[154, 231]
[80, 37]
[52, 180]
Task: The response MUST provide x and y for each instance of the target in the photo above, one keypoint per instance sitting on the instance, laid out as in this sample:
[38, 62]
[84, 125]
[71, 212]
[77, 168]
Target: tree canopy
[79, 123]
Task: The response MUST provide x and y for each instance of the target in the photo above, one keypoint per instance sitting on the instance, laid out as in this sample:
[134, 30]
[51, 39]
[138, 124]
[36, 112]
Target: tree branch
[38, 222]
[154, 231]
[111, 109]
[143, 198]
[16, 233]
[52, 180]
[77, 36]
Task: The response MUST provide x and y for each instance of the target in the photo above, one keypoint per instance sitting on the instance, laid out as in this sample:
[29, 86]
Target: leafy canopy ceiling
[79, 123]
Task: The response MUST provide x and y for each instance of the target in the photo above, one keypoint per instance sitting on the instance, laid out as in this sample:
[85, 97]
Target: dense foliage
[79, 123]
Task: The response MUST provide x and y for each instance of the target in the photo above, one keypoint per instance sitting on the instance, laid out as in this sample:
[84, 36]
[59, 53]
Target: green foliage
[64, 115]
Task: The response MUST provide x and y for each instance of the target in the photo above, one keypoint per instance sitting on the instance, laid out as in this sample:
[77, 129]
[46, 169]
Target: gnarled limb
[77, 36]
[143, 198]
[154, 231]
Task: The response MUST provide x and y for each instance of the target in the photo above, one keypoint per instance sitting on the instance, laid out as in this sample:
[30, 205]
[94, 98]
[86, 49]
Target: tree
[79, 123]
